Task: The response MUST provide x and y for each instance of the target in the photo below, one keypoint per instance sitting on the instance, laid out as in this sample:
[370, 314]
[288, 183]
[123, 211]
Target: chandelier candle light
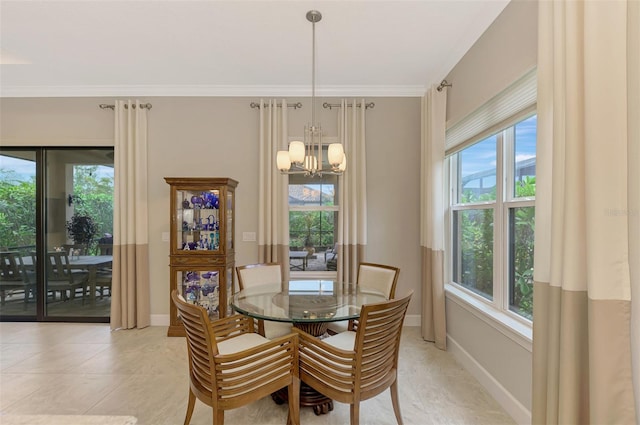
[306, 157]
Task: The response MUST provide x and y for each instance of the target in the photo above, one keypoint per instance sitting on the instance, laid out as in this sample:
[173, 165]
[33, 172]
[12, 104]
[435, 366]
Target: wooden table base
[308, 398]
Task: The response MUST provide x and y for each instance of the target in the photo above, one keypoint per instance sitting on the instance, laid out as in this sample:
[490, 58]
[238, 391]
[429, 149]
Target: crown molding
[53, 142]
[209, 91]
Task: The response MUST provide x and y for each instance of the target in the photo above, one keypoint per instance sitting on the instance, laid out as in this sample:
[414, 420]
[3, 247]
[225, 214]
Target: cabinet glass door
[198, 220]
[201, 287]
[230, 219]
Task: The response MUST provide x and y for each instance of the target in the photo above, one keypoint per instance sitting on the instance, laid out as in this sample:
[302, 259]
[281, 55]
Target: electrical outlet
[165, 236]
[248, 236]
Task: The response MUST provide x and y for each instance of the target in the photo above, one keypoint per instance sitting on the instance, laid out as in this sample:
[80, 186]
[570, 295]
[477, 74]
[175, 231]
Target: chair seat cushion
[240, 343]
[276, 329]
[344, 340]
[338, 327]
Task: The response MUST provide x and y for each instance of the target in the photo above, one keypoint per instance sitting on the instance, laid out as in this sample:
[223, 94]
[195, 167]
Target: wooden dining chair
[104, 275]
[80, 248]
[60, 277]
[230, 365]
[351, 367]
[253, 275]
[14, 277]
[104, 279]
[105, 249]
[371, 277]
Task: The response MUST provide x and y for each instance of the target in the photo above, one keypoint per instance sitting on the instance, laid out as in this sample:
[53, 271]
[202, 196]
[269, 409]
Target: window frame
[496, 309]
[314, 274]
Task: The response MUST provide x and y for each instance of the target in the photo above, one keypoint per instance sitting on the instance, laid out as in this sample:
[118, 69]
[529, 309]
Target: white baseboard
[412, 320]
[159, 320]
[509, 403]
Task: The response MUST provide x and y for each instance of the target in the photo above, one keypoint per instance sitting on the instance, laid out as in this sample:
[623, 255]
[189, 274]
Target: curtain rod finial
[443, 84]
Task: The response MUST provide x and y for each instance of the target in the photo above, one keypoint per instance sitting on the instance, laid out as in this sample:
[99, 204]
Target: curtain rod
[443, 84]
[326, 105]
[255, 105]
[113, 107]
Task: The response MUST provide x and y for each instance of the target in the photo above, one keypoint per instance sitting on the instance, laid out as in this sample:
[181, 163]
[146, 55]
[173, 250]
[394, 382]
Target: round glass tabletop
[304, 301]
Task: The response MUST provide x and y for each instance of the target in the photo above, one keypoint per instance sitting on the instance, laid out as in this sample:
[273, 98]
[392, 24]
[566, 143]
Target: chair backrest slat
[202, 347]
[11, 266]
[378, 341]
[58, 267]
[231, 328]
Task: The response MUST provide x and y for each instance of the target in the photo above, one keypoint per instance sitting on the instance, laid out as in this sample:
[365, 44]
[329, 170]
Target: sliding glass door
[18, 222]
[57, 234]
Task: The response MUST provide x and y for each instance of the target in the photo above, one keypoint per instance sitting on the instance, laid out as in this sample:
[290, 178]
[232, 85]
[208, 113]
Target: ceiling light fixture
[306, 157]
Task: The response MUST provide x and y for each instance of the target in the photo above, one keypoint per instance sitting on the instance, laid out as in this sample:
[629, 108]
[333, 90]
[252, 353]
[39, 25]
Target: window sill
[313, 275]
[518, 332]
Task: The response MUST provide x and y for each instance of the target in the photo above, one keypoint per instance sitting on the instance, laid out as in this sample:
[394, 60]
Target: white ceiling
[233, 48]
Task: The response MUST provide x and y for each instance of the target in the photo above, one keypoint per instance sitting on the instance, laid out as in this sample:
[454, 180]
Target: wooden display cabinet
[202, 253]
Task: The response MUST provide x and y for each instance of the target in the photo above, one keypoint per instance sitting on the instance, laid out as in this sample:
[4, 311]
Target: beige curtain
[633, 128]
[273, 209]
[130, 285]
[586, 213]
[432, 201]
[352, 220]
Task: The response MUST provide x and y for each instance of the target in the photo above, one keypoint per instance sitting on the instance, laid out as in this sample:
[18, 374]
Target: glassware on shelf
[214, 239]
[189, 246]
[197, 202]
[201, 288]
[210, 200]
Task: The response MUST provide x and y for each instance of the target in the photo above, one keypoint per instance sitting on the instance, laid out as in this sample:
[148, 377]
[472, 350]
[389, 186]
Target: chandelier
[306, 157]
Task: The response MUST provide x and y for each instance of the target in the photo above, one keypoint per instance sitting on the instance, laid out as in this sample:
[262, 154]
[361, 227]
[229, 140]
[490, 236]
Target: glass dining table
[309, 305]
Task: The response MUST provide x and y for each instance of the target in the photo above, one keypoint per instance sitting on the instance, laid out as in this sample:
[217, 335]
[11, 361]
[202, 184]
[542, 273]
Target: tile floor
[15, 306]
[84, 369]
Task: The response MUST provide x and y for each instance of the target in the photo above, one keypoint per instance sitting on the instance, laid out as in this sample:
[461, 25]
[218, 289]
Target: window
[313, 217]
[492, 216]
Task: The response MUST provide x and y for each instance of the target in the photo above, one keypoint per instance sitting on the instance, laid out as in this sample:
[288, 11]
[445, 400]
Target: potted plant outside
[82, 230]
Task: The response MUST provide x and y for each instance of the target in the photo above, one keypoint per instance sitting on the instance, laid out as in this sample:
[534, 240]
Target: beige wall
[210, 136]
[55, 122]
[218, 137]
[508, 362]
[505, 52]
